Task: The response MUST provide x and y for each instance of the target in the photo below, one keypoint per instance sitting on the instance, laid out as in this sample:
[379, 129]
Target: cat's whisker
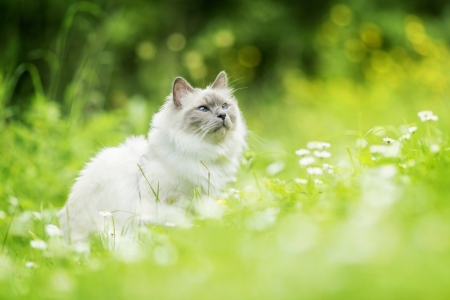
[202, 129]
[255, 140]
[235, 80]
[201, 132]
[206, 131]
[235, 90]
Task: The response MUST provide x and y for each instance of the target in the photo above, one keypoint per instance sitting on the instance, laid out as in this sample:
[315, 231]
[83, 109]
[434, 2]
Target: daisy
[322, 154]
[435, 148]
[52, 230]
[302, 152]
[412, 129]
[318, 181]
[275, 168]
[38, 244]
[314, 171]
[427, 115]
[405, 136]
[301, 181]
[31, 264]
[306, 161]
[362, 143]
[387, 151]
[328, 168]
[105, 213]
[388, 140]
[82, 248]
[318, 145]
[379, 149]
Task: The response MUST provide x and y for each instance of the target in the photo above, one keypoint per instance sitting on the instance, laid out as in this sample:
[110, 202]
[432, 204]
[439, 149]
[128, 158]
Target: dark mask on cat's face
[209, 113]
[212, 114]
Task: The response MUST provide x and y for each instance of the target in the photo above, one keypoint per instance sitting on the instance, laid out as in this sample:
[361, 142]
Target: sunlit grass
[374, 217]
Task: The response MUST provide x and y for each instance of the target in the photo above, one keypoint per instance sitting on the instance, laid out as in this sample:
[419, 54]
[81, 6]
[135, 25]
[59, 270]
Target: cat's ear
[180, 89]
[221, 81]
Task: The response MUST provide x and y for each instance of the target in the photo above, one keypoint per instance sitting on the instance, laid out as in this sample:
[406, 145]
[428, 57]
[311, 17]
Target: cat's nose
[222, 116]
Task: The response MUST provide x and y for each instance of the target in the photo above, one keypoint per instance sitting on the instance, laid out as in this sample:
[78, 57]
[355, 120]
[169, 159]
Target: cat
[193, 149]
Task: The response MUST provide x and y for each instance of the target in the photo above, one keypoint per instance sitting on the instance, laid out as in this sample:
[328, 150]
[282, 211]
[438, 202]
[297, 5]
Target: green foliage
[370, 222]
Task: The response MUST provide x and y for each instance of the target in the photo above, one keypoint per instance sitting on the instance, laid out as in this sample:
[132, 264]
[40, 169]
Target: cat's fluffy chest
[190, 165]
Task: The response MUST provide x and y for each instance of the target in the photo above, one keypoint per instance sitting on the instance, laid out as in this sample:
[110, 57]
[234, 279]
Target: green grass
[376, 227]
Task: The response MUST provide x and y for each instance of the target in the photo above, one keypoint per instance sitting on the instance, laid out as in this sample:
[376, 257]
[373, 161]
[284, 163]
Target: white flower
[234, 193]
[388, 140]
[412, 129]
[379, 131]
[318, 181]
[387, 171]
[302, 152]
[379, 149]
[306, 160]
[427, 115]
[275, 168]
[38, 244]
[82, 248]
[435, 148]
[52, 230]
[37, 215]
[14, 201]
[405, 136]
[301, 181]
[31, 264]
[361, 143]
[105, 213]
[314, 171]
[318, 145]
[387, 151]
[322, 154]
[328, 168]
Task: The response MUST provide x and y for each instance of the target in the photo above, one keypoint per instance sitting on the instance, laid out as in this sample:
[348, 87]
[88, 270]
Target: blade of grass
[156, 194]
[7, 229]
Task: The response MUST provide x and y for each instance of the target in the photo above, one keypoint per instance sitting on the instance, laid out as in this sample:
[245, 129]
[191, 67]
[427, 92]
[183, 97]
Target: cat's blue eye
[225, 106]
[203, 108]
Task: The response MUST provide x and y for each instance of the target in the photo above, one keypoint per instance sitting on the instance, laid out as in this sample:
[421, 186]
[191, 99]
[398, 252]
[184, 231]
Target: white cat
[194, 144]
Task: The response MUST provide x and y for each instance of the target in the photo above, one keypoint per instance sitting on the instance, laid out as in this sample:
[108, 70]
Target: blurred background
[78, 76]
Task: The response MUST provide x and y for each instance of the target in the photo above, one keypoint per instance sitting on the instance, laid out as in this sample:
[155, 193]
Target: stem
[68, 225]
[7, 230]
[351, 159]
[209, 175]
[114, 233]
[257, 184]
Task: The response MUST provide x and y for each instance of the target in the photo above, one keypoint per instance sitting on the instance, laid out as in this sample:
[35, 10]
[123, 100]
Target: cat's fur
[187, 149]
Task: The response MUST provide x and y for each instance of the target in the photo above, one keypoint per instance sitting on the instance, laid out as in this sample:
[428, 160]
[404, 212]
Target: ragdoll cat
[194, 144]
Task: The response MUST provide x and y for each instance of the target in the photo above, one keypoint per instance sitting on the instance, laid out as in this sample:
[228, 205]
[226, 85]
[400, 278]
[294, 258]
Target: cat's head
[210, 113]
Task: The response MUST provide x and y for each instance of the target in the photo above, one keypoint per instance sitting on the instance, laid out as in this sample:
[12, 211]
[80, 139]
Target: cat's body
[195, 143]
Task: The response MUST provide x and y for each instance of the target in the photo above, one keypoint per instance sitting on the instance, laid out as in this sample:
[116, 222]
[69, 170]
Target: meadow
[342, 194]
